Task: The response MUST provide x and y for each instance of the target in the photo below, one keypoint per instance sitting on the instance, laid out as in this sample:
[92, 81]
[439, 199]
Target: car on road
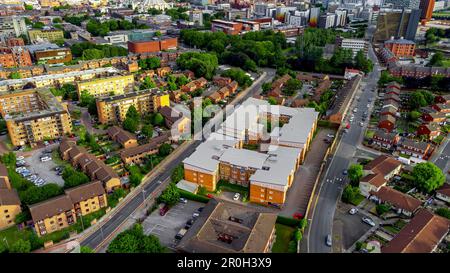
[328, 240]
[195, 215]
[361, 124]
[368, 221]
[345, 172]
[368, 105]
[236, 196]
[183, 200]
[20, 158]
[164, 210]
[330, 135]
[355, 110]
[353, 211]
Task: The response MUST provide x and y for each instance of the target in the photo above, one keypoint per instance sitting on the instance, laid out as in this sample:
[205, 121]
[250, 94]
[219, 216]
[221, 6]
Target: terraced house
[33, 116]
[107, 86]
[113, 109]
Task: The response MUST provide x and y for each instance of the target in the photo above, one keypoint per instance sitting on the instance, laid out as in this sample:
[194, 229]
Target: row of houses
[224, 92]
[62, 211]
[95, 168]
[390, 110]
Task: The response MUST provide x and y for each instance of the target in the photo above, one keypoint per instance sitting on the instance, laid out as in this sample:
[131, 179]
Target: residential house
[388, 110]
[124, 138]
[221, 81]
[163, 71]
[434, 117]
[418, 149]
[9, 200]
[401, 202]
[53, 214]
[431, 130]
[137, 154]
[215, 97]
[442, 107]
[377, 173]
[178, 124]
[387, 122]
[87, 198]
[442, 99]
[385, 139]
[443, 193]
[421, 235]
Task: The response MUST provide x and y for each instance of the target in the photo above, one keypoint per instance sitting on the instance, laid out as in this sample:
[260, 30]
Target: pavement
[107, 229]
[441, 157]
[321, 221]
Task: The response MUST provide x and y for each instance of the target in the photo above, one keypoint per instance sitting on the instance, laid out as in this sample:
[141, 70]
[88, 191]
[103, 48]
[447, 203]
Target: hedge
[193, 197]
[288, 221]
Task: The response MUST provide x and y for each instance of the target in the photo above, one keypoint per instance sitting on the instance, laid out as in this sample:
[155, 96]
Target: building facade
[112, 85]
[114, 109]
[50, 35]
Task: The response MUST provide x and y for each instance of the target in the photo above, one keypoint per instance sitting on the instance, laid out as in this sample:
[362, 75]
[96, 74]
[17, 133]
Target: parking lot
[167, 226]
[351, 226]
[44, 170]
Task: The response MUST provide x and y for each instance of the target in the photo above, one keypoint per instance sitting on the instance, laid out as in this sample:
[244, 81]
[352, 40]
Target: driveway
[45, 170]
[300, 192]
[167, 226]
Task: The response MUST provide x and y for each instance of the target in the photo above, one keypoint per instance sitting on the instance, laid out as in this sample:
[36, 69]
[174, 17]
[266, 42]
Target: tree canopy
[428, 177]
[134, 240]
[202, 64]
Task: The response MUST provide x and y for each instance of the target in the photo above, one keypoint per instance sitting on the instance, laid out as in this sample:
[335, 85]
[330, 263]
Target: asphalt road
[96, 238]
[331, 186]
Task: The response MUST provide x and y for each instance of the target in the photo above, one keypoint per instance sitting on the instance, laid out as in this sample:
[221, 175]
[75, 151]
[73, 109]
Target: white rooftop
[244, 158]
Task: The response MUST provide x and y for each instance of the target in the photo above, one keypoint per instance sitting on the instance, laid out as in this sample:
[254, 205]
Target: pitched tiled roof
[9, 197]
[51, 207]
[398, 199]
[421, 235]
[85, 191]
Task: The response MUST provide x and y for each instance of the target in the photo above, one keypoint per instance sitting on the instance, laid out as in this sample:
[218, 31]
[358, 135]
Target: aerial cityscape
[224, 126]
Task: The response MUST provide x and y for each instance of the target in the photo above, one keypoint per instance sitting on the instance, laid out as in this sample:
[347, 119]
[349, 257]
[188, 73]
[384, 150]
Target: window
[262, 195]
[52, 222]
[5, 211]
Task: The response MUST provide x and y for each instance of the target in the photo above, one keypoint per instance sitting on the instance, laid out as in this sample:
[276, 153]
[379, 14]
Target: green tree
[133, 113]
[28, 7]
[20, 246]
[22, 217]
[158, 119]
[86, 249]
[292, 85]
[170, 195]
[15, 75]
[428, 177]
[177, 174]
[57, 20]
[165, 149]
[350, 193]
[266, 87]
[148, 83]
[362, 63]
[38, 25]
[131, 125]
[414, 115]
[437, 60]
[134, 240]
[202, 64]
[147, 130]
[382, 209]
[444, 212]
[355, 172]
[272, 101]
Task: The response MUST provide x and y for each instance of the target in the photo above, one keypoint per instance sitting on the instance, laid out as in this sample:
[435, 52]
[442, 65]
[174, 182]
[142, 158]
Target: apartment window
[262, 190]
[270, 197]
[87, 210]
[93, 202]
[270, 192]
[52, 222]
[86, 204]
[262, 195]
[60, 219]
[5, 211]
[10, 221]
[7, 216]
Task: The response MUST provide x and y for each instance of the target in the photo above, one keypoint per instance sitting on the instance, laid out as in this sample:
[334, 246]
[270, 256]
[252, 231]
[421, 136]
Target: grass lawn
[13, 234]
[391, 229]
[369, 134]
[57, 159]
[284, 236]
[446, 63]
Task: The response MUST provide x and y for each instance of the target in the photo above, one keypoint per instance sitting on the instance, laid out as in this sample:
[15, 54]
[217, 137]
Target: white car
[330, 135]
[353, 211]
[236, 196]
[355, 110]
[368, 221]
[361, 124]
[20, 158]
[45, 159]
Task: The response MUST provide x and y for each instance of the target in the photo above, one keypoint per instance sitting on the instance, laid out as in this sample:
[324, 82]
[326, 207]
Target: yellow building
[108, 86]
[50, 35]
[88, 198]
[9, 200]
[34, 115]
[52, 215]
[113, 109]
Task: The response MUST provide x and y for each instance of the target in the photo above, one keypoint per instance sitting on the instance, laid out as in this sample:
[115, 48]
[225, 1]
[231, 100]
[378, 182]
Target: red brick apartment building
[232, 28]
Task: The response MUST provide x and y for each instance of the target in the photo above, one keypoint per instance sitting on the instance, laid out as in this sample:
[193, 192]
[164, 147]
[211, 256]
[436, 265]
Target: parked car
[195, 215]
[328, 240]
[20, 158]
[181, 234]
[330, 135]
[298, 216]
[236, 196]
[183, 200]
[200, 209]
[45, 159]
[353, 211]
[368, 221]
[345, 172]
[164, 210]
